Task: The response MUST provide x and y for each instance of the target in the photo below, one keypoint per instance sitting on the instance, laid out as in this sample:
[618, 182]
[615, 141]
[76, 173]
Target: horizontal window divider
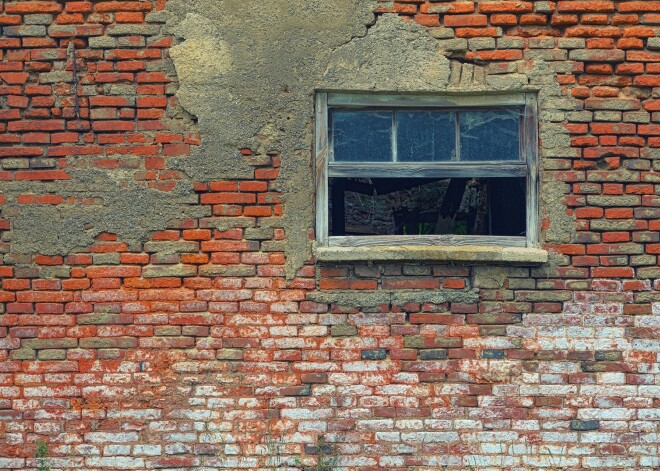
[420, 101]
[427, 170]
[427, 240]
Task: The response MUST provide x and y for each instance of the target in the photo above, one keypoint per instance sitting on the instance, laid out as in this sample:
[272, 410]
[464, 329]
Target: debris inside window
[427, 206]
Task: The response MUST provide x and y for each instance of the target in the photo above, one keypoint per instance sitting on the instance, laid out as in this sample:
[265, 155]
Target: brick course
[193, 349]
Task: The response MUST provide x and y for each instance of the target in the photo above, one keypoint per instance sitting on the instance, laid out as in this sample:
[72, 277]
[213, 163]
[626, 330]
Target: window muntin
[483, 140]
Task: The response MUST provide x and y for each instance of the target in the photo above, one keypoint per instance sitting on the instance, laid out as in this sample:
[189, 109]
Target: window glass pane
[426, 206]
[426, 136]
[362, 136]
[490, 135]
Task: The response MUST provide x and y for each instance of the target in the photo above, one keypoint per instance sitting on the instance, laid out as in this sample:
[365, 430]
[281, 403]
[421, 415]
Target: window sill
[407, 253]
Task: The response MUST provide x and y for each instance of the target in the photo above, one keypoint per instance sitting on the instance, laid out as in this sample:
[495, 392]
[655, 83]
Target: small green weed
[42, 455]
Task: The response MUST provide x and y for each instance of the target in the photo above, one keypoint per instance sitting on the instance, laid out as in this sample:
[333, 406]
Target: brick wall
[193, 349]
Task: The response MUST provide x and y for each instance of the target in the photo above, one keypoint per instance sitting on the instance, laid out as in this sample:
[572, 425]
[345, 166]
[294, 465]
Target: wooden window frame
[526, 167]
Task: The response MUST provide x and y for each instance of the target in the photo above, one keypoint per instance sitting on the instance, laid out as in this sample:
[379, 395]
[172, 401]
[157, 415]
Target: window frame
[527, 166]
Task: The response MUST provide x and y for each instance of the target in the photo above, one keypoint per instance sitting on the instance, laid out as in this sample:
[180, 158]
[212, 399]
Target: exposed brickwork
[194, 350]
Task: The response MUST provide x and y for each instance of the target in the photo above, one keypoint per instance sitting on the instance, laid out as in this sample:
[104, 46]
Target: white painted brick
[649, 391]
[312, 426]
[147, 450]
[525, 425]
[10, 463]
[162, 426]
[410, 424]
[438, 424]
[142, 414]
[391, 461]
[561, 437]
[388, 436]
[612, 378]
[356, 461]
[650, 438]
[180, 437]
[642, 426]
[85, 449]
[619, 426]
[605, 414]
[177, 449]
[118, 462]
[468, 424]
[650, 461]
[597, 437]
[648, 345]
[489, 460]
[233, 463]
[307, 414]
[551, 461]
[116, 450]
[600, 462]
[580, 450]
[377, 424]
[232, 449]
[216, 438]
[109, 437]
[649, 414]
[589, 390]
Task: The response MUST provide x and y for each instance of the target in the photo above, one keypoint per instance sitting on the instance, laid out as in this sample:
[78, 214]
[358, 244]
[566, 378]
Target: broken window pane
[362, 136]
[490, 135]
[426, 136]
[426, 206]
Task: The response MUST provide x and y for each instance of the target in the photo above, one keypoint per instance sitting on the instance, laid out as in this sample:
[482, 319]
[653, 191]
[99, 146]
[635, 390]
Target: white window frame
[325, 168]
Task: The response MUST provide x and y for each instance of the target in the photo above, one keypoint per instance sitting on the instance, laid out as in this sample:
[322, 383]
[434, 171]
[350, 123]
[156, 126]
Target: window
[426, 170]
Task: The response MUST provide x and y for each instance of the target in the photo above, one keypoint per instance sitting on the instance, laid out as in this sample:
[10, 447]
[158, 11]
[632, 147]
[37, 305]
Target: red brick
[427, 20]
[505, 7]
[465, 20]
[42, 175]
[30, 7]
[585, 6]
[113, 271]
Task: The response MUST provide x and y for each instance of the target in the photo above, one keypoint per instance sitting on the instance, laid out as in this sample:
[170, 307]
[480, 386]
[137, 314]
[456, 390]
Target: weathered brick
[187, 298]
[584, 425]
[379, 354]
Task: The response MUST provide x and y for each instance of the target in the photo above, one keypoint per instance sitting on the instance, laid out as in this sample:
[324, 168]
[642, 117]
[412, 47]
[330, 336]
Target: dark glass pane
[490, 135]
[362, 136]
[425, 206]
[508, 206]
[426, 136]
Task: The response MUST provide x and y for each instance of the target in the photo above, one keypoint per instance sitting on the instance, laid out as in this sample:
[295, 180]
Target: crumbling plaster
[248, 71]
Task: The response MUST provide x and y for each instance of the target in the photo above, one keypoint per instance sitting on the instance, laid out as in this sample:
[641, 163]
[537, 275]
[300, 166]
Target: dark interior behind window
[426, 206]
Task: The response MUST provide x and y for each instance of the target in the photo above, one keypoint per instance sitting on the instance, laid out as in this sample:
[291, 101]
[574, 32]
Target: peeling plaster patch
[204, 56]
[561, 227]
[125, 208]
[395, 56]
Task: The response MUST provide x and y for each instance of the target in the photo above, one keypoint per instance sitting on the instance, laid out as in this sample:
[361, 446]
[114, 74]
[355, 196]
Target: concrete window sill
[408, 253]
